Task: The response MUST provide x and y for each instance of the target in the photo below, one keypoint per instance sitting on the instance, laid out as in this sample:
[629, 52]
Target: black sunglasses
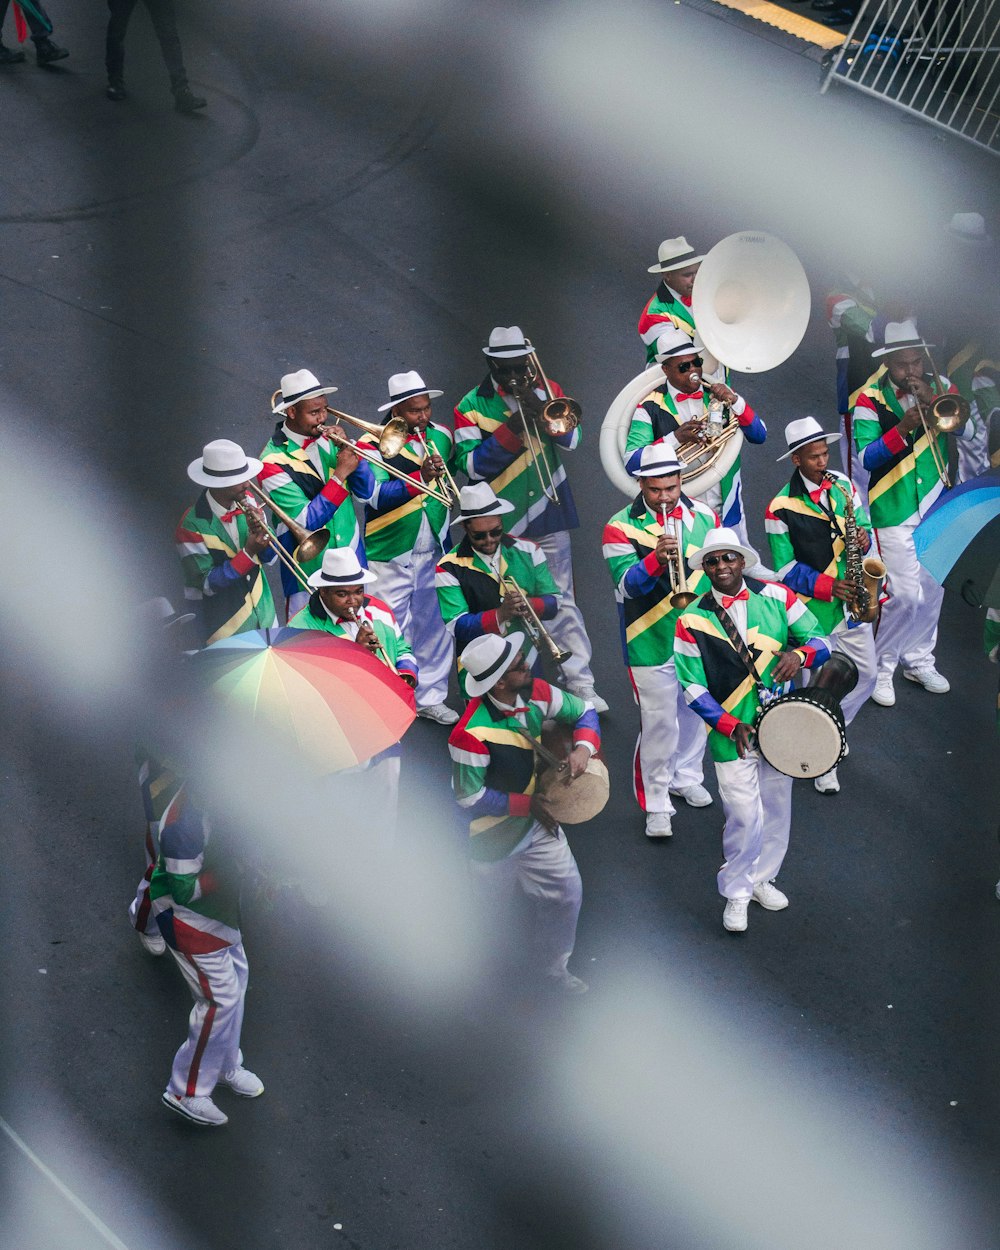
[690, 364]
[478, 537]
[724, 557]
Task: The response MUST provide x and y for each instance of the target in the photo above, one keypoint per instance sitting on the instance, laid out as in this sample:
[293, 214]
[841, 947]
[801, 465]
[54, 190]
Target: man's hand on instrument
[789, 663]
[347, 461]
[513, 604]
[257, 540]
[577, 763]
[666, 548]
[741, 736]
[690, 432]
[864, 539]
[843, 589]
[543, 813]
[432, 467]
[720, 391]
[367, 637]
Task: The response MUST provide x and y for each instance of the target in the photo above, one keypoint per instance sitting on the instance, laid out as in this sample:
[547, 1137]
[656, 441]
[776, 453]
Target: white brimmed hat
[340, 567]
[487, 658]
[223, 463]
[657, 460]
[900, 336]
[479, 500]
[969, 227]
[722, 539]
[805, 430]
[404, 386]
[674, 342]
[507, 342]
[160, 612]
[675, 254]
[298, 386]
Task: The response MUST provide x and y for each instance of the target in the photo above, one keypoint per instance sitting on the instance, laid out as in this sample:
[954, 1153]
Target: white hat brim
[197, 474]
[317, 582]
[431, 394]
[503, 505]
[475, 687]
[747, 553]
[902, 347]
[830, 438]
[681, 264]
[290, 403]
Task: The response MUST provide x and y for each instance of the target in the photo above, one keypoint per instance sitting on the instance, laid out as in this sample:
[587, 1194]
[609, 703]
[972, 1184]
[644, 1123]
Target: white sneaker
[694, 796]
[734, 918]
[566, 983]
[197, 1110]
[591, 695]
[658, 825]
[439, 712]
[827, 783]
[883, 694]
[244, 1083]
[929, 678]
[769, 896]
[153, 943]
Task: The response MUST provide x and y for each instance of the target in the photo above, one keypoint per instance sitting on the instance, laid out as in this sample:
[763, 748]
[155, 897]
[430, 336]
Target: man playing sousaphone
[819, 534]
[640, 546]
[515, 838]
[730, 646]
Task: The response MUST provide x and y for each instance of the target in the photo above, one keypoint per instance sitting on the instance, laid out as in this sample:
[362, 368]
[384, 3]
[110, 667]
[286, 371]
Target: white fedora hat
[479, 500]
[406, 386]
[969, 227]
[675, 254]
[657, 460]
[160, 612]
[900, 336]
[722, 539]
[487, 658]
[805, 430]
[223, 463]
[674, 342]
[340, 567]
[299, 386]
[507, 342]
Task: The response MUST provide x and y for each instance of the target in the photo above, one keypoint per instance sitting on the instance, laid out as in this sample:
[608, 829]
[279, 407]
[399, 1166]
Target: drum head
[581, 800]
[799, 738]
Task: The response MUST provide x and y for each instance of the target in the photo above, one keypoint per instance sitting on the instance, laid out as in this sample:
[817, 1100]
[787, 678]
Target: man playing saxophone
[819, 535]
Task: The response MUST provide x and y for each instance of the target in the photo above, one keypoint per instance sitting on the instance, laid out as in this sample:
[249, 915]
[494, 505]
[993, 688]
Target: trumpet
[448, 486]
[533, 626]
[253, 510]
[378, 648]
[391, 438]
[559, 415]
[945, 414]
[680, 596]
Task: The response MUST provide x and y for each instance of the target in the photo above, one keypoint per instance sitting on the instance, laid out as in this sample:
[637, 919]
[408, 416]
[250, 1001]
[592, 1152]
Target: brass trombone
[680, 596]
[559, 414]
[447, 484]
[533, 626]
[946, 414]
[251, 507]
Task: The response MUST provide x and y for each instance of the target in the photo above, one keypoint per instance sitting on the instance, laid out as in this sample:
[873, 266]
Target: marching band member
[310, 477]
[674, 415]
[515, 838]
[405, 534]
[640, 546]
[468, 579]
[733, 630]
[806, 529]
[905, 479]
[850, 310]
[492, 445]
[222, 548]
[670, 304]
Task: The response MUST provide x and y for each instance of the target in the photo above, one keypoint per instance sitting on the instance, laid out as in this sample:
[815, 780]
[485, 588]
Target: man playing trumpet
[222, 545]
[641, 546]
[311, 472]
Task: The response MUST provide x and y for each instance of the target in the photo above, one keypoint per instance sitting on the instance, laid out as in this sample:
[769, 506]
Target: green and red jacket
[379, 615]
[664, 309]
[850, 314]
[715, 680]
[642, 584]
[494, 769]
[227, 587]
[394, 510]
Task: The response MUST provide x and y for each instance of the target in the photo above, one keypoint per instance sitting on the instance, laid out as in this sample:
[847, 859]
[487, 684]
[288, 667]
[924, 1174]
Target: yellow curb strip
[791, 23]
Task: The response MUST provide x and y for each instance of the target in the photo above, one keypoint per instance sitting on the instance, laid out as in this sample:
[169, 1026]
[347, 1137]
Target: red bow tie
[686, 301]
[816, 495]
[229, 516]
[308, 442]
[693, 395]
[677, 514]
[729, 600]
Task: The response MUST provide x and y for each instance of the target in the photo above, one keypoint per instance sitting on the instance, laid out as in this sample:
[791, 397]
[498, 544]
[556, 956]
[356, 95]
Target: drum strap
[733, 634]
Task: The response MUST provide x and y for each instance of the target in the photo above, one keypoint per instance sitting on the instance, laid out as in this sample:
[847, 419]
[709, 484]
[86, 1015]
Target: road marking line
[76, 1203]
[802, 27]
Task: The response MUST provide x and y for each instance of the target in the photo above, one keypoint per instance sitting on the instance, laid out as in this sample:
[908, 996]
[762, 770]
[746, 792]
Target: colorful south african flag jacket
[487, 451]
[494, 767]
[903, 481]
[395, 509]
[313, 497]
[805, 529]
[850, 313]
[664, 309]
[975, 373]
[642, 584]
[227, 588]
[315, 616]
[715, 680]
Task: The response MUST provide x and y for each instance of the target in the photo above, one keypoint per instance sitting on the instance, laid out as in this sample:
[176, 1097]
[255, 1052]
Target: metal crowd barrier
[936, 59]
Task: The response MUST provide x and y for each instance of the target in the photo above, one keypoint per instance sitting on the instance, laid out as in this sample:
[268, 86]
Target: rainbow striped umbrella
[327, 699]
[958, 541]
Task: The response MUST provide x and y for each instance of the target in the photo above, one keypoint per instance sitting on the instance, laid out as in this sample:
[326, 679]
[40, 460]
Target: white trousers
[218, 982]
[567, 628]
[407, 586]
[372, 792]
[859, 644]
[909, 625]
[542, 865]
[672, 739]
[757, 800]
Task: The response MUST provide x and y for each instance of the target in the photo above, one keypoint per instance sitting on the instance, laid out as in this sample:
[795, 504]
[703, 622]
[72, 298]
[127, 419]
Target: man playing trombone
[504, 436]
[222, 544]
[406, 529]
[653, 584]
[311, 470]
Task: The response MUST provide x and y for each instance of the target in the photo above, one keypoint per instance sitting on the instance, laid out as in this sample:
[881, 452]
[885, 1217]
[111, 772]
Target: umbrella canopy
[326, 699]
[958, 541]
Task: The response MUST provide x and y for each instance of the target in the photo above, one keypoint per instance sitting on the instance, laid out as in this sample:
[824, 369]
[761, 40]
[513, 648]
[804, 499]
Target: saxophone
[865, 573]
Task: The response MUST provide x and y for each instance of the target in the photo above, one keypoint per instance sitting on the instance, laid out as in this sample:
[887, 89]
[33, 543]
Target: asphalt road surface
[372, 190]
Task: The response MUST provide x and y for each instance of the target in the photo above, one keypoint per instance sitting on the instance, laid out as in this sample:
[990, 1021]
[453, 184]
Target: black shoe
[8, 56]
[839, 17]
[186, 102]
[116, 91]
[46, 52]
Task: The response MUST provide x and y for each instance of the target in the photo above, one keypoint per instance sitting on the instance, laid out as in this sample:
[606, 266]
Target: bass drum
[802, 733]
[704, 473]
